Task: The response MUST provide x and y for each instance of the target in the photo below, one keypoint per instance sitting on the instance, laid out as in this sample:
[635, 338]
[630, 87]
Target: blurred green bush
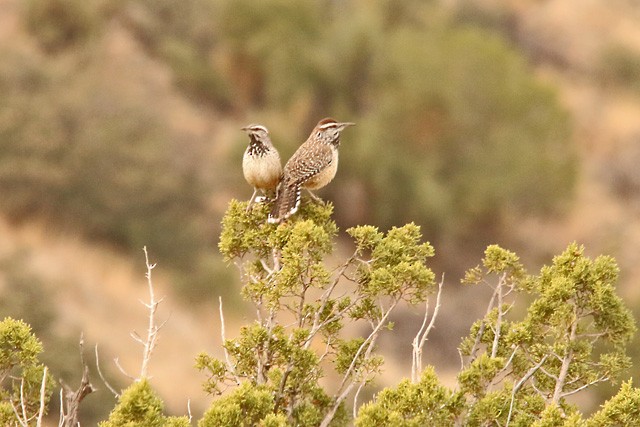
[81, 151]
[453, 129]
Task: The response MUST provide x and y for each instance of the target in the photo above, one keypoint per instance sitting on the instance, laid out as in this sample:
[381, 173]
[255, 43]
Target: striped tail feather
[286, 203]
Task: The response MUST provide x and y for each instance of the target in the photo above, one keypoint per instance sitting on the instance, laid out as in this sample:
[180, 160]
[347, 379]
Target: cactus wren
[261, 164]
[312, 166]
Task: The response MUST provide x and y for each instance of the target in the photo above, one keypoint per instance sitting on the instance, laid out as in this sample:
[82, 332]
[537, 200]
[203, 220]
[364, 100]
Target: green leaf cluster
[572, 335]
[285, 277]
[21, 372]
[544, 337]
[140, 406]
[425, 403]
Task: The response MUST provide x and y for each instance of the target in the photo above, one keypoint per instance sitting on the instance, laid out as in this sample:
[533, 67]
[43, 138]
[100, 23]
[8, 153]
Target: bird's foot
[315, 198]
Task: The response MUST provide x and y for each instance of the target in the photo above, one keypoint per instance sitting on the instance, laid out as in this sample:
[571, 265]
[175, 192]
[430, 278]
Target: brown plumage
[312, 166]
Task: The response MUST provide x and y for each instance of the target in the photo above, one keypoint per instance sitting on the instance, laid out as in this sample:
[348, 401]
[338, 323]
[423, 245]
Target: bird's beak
[244, 128]
[346, 124]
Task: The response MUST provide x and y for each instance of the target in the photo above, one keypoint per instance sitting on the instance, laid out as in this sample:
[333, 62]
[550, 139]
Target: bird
[261, 164]
[312, 166]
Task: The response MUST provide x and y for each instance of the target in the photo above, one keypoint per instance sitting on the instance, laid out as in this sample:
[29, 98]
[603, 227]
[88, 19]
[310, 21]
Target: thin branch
[276, 259]
[136, 337]
[104, 380]
[537, 390]
[119, 366]
[416, 360]
[564, 368]
[327, 349]
[436, 309]
[43, 390]
[74, 398]
[268, 269]
[327, 294]
[15, 411]
[598, 380]
[22, 402]
[483, 325]
[230, 366]
[496, 335]
[513, 354]
[355, 399]
[61, 419]
[502, 373]
[519, 384]
[317, 326]
[153, 328]
[549, 374]
[368, 344]
[421, 337]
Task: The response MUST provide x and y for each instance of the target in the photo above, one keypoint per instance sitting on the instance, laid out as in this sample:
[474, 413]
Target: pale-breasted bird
[261, 163]
[312, 166]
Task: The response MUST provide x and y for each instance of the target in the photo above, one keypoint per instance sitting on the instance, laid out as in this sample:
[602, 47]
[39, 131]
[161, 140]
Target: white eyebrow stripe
[328, 125]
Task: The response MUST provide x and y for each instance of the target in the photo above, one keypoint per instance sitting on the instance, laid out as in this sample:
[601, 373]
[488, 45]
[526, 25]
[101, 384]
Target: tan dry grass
[98, 291]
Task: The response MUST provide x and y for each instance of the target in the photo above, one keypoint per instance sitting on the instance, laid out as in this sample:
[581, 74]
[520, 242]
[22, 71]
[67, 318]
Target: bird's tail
[286, 203]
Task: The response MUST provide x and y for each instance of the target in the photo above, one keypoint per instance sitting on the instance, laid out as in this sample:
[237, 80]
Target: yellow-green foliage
[21, 373]
[139, 406]
[623, 409]
[573, 335]
[247, 406]
[425, 403]
[283, 266]
[544, 337]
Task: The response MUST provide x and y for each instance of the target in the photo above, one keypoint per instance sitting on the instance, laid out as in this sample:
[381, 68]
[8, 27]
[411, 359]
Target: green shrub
[139, 406]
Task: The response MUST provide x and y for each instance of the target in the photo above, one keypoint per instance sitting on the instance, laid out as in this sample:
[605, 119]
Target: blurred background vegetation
[482, 121]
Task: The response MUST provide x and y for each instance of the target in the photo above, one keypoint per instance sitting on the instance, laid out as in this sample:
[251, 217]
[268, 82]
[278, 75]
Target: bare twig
[589, 384]
[520, 383]
[61, 419]
[421, 337]
[22, 402]
[43, 390]
[483, 325]
[104, 380]
[496, 335]
[327, 294]
[230, 366]
[74, 398]
[121, 369]
[355, 399]
[566, 362]
[368, 343]
[276, 259]
[268, 269]
[416, 361]
[153, 328]
[22, 422]
[136, 337]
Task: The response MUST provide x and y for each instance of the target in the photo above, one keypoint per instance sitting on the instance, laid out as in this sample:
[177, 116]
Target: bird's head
[256, 132]
[328, 130]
